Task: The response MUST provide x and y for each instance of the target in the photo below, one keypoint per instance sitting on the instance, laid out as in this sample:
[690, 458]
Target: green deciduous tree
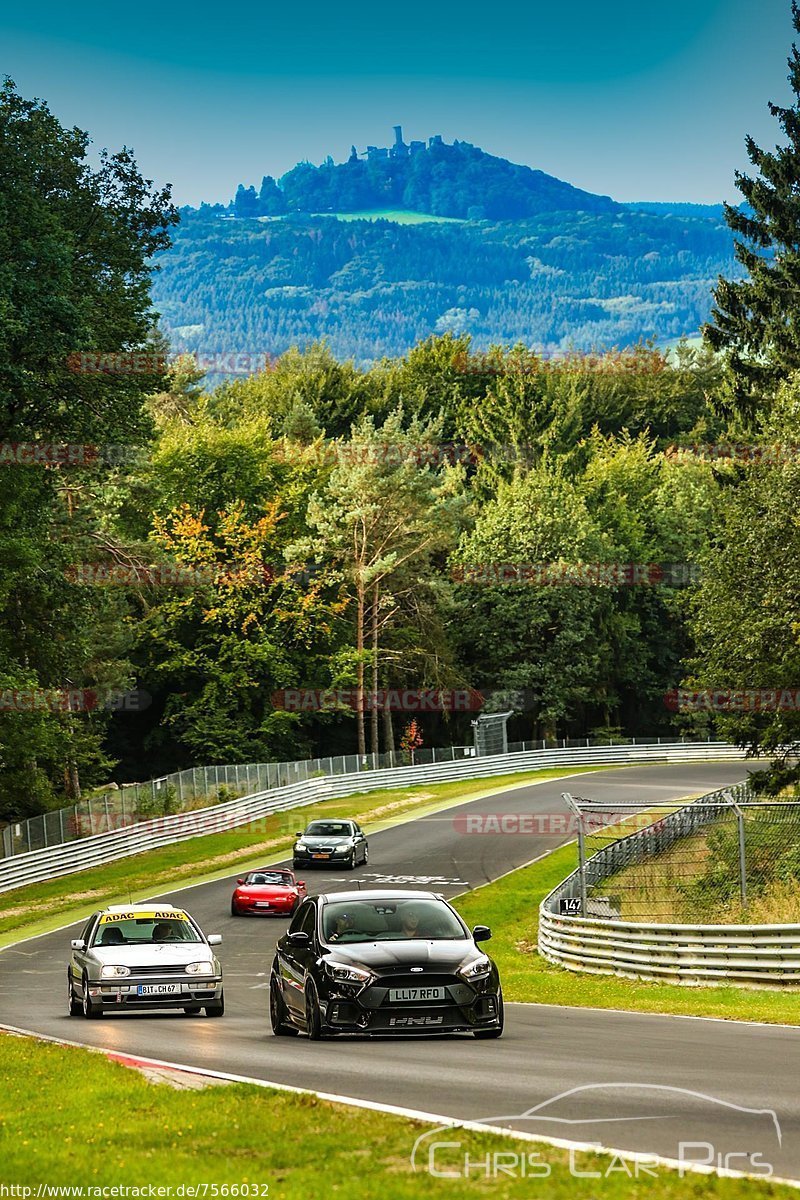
[75, 249]
[386, 511]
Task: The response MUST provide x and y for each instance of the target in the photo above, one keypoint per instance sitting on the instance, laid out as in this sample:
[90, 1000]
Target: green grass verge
[41, 907]
[69, 1117]
[511, 907]
[401, 216]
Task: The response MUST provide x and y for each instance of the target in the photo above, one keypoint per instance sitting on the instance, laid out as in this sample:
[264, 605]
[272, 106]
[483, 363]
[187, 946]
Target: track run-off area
[639, 1083]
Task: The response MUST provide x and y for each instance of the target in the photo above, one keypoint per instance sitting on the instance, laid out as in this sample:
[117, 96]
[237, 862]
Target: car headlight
[345, 973]
[200, 968]
[477, 969]
[345, 849]
[112, 972]
[300, 846]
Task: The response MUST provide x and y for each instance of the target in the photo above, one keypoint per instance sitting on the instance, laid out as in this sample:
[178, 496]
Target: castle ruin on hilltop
[399, 150]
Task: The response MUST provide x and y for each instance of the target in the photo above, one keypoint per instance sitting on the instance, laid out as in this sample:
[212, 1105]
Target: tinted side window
[309, 924]
[304, 919]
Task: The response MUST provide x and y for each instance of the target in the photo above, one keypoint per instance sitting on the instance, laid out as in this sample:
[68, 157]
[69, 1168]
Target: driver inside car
[409, 922]
[345, 923]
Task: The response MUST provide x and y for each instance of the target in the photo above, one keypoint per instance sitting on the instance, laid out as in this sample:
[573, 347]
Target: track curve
[660, 1080]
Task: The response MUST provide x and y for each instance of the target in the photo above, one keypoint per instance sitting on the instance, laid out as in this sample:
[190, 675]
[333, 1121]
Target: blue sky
[639, 102]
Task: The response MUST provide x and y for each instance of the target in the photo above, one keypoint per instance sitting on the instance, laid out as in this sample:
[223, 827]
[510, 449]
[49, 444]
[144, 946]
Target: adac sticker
[140, 914]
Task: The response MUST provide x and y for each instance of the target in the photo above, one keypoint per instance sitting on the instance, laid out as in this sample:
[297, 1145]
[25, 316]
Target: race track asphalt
[632, 1081]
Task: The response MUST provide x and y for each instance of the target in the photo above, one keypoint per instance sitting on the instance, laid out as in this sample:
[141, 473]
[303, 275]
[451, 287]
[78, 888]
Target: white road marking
[413, 1113]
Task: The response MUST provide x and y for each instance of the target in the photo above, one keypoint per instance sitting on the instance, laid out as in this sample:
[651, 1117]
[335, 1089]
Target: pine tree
[756, 320]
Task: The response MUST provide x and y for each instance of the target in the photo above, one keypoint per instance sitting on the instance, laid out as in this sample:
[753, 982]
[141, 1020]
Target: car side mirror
[78, 944]
[240, 881]
[299, 938]
[481, 933]
[298, 833]
[301, 883]
[214, 939]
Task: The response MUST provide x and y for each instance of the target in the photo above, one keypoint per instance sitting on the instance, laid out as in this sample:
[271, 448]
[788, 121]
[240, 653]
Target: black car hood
[411, 953]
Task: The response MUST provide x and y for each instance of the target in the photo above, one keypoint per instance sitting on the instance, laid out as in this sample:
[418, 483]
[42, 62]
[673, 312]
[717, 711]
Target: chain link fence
[197, 787]
[201, 787]
[727, 858]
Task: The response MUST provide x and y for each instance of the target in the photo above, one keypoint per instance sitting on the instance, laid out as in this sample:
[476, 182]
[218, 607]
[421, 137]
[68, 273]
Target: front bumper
[254, 908]
[312, 858]
[125, 994]
[465, 1008]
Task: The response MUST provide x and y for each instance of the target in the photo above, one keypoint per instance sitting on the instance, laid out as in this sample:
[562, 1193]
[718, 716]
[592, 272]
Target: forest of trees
[372, 289]
[568, 537]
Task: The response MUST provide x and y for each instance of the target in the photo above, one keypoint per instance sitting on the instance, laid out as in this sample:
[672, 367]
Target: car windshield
[144, 931]
[274, 877]
[390, 921]
[329, 829]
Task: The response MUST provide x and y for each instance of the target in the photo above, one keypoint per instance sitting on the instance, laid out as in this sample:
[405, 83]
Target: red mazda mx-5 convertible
[272, 891]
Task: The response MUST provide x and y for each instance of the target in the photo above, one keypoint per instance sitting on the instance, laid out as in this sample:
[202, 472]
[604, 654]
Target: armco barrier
[69, 857]
[745, 955]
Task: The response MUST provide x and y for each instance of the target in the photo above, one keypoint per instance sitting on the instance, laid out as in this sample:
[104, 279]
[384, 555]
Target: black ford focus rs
[383, 962]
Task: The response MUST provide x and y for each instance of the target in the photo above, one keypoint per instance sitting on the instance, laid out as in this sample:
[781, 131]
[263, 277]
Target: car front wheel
[313, 1014]
[89, 1009]
[277, 1013]
[73, 1005]
[216, 1009]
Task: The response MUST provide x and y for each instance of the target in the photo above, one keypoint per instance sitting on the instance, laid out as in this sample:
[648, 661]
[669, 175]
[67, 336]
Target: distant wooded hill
[528, 259]
[458, 180]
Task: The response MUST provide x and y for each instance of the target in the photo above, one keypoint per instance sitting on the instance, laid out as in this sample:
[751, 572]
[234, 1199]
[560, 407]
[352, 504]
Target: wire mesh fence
[729, 857]
[197, 787]
[201, 787]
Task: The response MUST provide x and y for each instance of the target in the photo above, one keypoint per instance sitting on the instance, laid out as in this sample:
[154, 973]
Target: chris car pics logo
[687, 1131]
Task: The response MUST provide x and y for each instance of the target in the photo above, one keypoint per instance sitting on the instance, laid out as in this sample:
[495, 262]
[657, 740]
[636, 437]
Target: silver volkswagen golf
[144, 956]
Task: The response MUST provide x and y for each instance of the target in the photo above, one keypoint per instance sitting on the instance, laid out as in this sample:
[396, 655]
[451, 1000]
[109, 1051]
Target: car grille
[418, 979]
[166, 969]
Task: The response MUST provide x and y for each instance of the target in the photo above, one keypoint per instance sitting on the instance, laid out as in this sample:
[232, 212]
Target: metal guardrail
[745, 955]
[67, 858]
[198, 787]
